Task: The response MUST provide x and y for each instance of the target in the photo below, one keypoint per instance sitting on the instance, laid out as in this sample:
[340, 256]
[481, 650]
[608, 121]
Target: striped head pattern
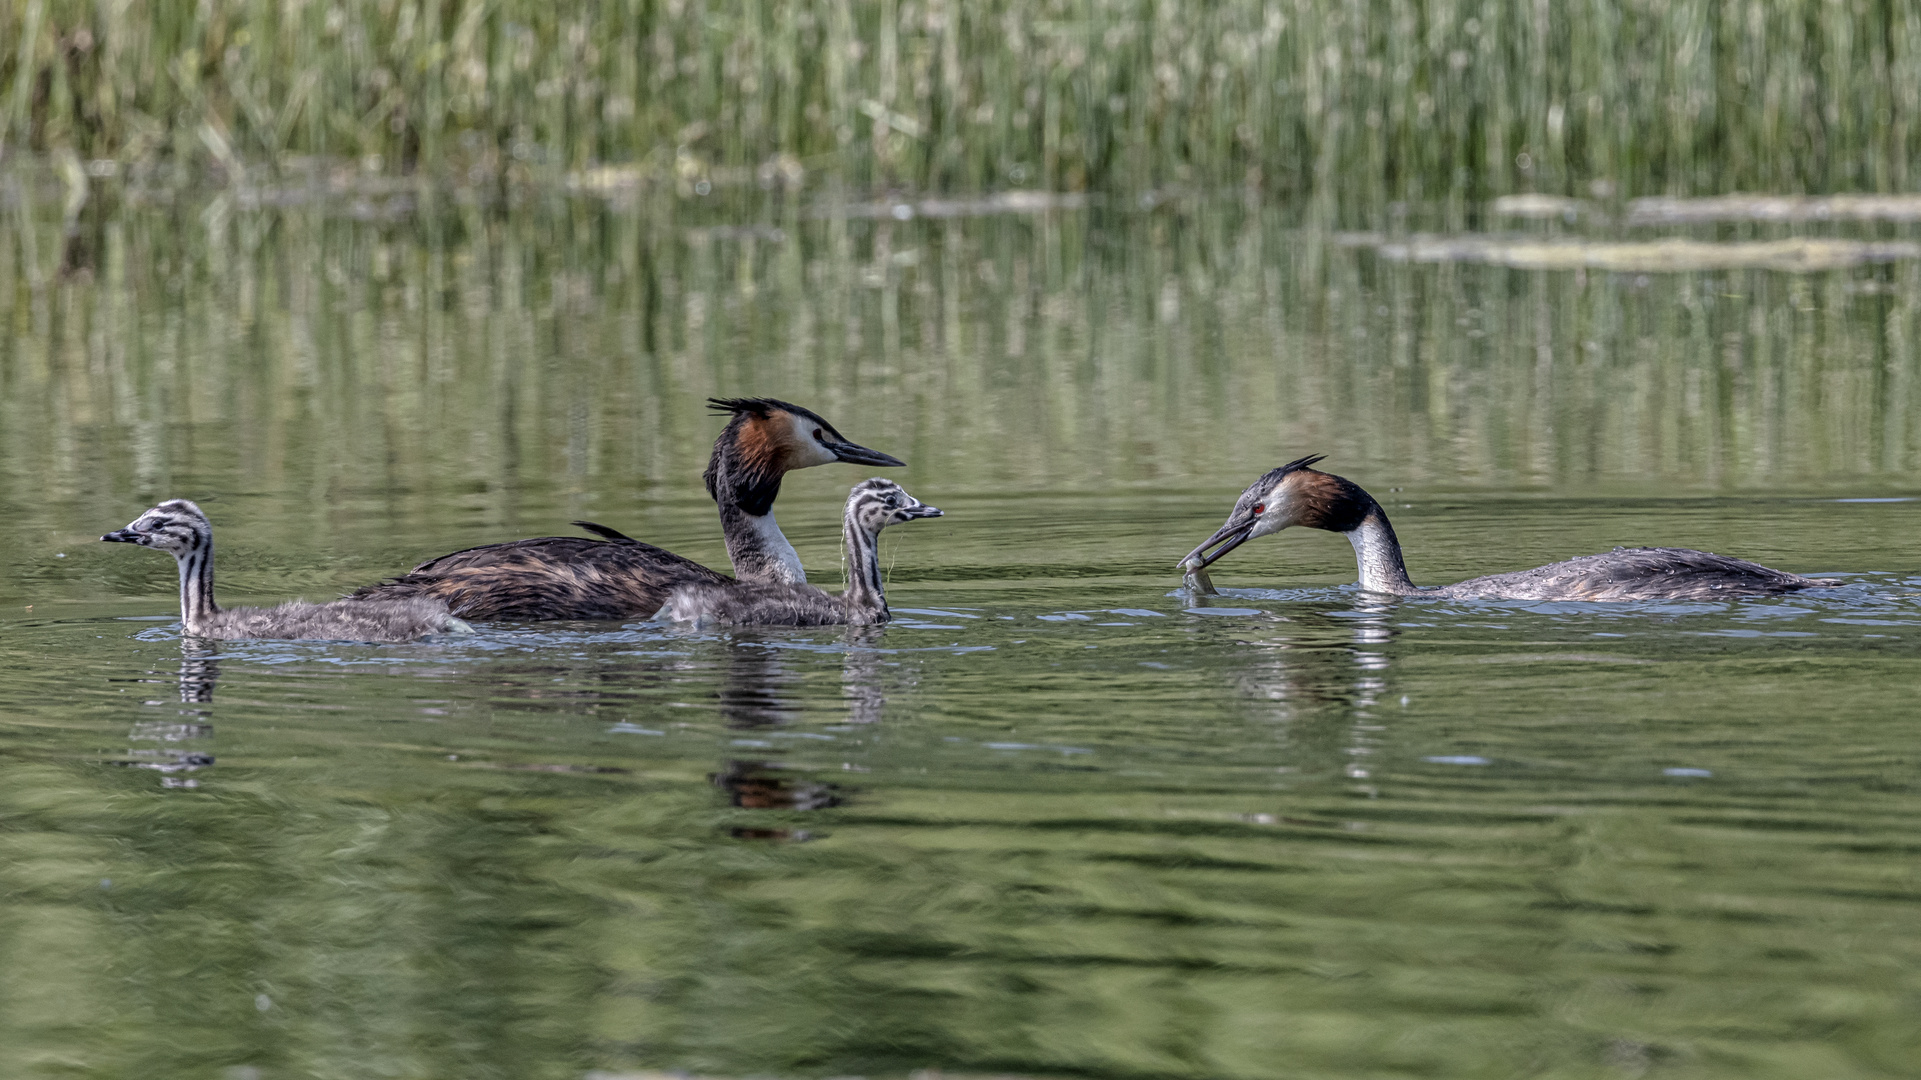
[175, 526]
[872, 506]
[875, 504]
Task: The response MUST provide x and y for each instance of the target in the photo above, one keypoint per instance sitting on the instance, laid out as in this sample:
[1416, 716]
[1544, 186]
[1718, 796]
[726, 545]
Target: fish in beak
[1239, 526]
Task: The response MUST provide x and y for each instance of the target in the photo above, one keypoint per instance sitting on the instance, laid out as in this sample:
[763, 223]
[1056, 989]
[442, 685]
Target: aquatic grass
[1365, 100]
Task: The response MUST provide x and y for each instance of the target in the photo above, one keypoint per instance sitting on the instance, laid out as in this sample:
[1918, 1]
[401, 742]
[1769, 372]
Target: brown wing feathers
[555, 577]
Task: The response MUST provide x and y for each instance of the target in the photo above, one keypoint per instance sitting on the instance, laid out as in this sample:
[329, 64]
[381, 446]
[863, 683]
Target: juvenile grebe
[178, 527]
[572, 577]
[1297, 495]
[872, 506]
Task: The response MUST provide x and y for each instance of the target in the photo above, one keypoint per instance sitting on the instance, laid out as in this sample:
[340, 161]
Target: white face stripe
[806, 449]
[1279, 514]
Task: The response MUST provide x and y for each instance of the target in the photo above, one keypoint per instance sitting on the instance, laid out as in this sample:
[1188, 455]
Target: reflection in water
[1373, 633]
[1321, 679]
[756, 687]
[199, 671]
[1312, 662]
[1006, 344]
[760, 785]
[199, 674]
[869, 673]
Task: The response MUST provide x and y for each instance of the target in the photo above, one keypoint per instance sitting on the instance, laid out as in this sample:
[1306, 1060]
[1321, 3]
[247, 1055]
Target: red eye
[1260, 508]
[818, 436]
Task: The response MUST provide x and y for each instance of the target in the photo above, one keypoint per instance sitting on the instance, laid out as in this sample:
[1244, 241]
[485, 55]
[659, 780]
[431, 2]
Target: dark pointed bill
[1229, 536]
[922, 511]
[122, 536]
[856, 454]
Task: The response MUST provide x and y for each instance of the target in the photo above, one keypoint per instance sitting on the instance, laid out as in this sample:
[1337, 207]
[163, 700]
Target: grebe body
[873, 505]
[1295, 494]
[179, 528]
[617, 577]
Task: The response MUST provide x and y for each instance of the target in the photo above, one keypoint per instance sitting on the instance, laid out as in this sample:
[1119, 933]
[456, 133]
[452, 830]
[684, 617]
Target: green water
[1053, 821]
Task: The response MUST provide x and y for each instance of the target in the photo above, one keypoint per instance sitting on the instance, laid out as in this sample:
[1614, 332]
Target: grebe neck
[196, 582]
[866, 595]
[1378, 553]
[758, 549]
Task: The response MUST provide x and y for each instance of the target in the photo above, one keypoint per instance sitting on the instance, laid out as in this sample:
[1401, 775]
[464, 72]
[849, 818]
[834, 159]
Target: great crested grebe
[1297, 495]
[872, 506]
[178, 527]
[572, 577]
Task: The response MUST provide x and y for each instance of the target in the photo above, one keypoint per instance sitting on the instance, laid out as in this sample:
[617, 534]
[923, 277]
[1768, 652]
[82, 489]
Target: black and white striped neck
[866, 595]
[197, 606]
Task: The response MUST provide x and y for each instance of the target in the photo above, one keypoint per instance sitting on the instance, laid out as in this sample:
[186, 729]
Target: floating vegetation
[1662, 210]
[1794, 208]
[1399, 99]
[1669, 255]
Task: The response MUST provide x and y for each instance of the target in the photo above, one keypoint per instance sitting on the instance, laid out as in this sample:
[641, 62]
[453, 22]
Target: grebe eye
[818, 436]
[1260, 508]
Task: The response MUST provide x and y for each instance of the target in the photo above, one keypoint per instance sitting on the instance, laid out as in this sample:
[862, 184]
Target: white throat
[1379, 556]
[779, 552]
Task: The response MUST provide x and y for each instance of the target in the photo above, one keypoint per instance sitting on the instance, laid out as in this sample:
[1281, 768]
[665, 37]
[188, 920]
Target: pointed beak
[1228, 537]
[922, 511]
[122, 536]
[856, 454]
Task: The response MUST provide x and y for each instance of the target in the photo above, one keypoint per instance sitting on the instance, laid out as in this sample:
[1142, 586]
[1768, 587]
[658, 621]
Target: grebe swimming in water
[180, 529]
[873, 505]
[1297, 495]
[572, 577]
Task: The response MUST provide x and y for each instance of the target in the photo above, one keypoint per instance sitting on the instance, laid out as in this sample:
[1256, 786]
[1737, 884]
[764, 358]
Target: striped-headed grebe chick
[179, 528]
[873, 505]
[616, 577]
[1297, 495]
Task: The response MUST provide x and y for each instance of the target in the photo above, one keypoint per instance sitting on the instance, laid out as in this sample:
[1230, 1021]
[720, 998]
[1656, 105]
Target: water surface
[1058, 818]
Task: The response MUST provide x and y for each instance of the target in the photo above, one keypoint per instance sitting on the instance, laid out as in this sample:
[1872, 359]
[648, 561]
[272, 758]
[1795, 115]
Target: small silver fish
[1196, 579]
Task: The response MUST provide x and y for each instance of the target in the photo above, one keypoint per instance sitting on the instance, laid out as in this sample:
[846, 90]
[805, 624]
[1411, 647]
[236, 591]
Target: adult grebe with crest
[1297, 495]
[618, 577]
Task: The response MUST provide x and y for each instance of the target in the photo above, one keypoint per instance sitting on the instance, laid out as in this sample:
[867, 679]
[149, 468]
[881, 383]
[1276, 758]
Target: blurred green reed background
[1367, 100]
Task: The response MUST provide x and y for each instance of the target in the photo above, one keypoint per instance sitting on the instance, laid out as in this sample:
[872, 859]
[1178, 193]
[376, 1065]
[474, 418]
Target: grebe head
[875, 504]
[1290, 495]
[768, 438]
[781, 436]
[175, 526]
